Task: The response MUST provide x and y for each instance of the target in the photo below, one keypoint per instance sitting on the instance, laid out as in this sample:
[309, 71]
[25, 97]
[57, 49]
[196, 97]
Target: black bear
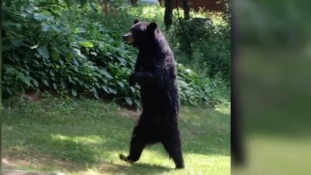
[155, 72]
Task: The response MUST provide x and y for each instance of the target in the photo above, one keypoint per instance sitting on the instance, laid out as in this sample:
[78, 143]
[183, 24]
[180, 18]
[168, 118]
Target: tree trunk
[134, 3]
[186, 8]
[168, 16]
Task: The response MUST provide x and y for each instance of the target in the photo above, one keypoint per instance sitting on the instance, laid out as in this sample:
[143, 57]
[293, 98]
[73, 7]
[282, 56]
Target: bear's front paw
[125, 158]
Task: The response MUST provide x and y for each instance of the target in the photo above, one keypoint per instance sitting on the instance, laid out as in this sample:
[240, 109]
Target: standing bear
[155, 72]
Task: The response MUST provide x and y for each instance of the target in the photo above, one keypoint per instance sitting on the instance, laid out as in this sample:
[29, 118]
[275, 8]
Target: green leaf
[76, 62]
[7, 44]
[55, 28]
[105, 89]
[137, 102]
[83, 2]
[132, 89]
[29, 56]
[15, 57]
[45, 27]
[92, 7]
[81, 30]
[17, 42]
[24, 15]
[68, 3]
[86, 44]
[9, 91]
[93, 53]
[45, 82]
[121, 84]
[24, 79]
[205, 98]
[95, 93]
[74, 92]
[63, 84]
[52, 72]
[113, 91]
[35, 82]
[106, 74]
[69, 77]
[39, 16]
[18, 26]
[57, 46]
[55, 54]
[55, 86]
[37, 55]
[128, 100]
[9, 70]
[43, 51]
[61, 61]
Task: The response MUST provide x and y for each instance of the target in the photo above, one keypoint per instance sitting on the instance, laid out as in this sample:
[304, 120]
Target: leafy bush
[71, 52]
[210, 46]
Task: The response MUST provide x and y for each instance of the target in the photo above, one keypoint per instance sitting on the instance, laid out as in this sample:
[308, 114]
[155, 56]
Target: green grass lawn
[85, 137]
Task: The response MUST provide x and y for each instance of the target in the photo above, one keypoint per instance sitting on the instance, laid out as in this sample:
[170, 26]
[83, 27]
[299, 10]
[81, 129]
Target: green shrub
[210, 46]
[73, 52]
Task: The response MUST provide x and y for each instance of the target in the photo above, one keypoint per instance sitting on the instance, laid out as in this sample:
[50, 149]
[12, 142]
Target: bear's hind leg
[137, 145]
[172, 145]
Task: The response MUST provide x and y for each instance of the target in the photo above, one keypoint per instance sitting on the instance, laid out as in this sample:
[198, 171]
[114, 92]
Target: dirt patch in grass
[39, 162]
[129, 113]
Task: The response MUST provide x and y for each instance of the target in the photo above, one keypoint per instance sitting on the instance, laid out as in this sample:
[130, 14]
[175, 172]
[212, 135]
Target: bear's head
[141, 33]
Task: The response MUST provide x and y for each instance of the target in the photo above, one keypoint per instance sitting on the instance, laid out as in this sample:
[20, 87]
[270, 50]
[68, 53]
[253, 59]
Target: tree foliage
[44, 49]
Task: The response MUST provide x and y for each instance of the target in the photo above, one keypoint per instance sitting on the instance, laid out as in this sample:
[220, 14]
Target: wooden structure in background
[210, 5]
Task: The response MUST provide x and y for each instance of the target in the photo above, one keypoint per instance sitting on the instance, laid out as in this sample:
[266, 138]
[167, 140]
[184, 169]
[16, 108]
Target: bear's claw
[125, 158]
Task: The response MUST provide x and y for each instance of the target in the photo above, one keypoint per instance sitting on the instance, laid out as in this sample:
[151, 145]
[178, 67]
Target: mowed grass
[86, 137]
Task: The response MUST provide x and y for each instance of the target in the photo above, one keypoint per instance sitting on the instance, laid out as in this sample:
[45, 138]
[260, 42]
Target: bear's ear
[152, 26]
[136, 21]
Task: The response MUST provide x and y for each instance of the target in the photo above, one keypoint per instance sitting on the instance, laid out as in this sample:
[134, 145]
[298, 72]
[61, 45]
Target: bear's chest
[146, 67]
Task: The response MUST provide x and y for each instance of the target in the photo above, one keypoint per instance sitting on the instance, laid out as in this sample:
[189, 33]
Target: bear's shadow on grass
[136, 168]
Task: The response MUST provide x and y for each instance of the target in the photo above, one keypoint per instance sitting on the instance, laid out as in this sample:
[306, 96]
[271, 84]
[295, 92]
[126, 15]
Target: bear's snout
[128, 38]
[125, 36]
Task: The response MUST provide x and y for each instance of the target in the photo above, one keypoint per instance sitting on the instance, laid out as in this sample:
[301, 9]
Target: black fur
[155, 72]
